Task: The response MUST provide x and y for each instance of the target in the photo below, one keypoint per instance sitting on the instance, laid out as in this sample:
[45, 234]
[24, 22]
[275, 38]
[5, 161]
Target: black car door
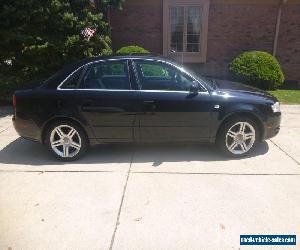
[107, 101]
[169, 110]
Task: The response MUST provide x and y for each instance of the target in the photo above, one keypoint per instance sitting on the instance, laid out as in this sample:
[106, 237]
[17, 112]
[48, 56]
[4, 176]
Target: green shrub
[133, 49]
[259, 69]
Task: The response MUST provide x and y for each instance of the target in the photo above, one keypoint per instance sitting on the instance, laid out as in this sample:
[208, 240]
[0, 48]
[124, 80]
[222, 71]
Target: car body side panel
[174, 116]
[36, 108]
[111, 114]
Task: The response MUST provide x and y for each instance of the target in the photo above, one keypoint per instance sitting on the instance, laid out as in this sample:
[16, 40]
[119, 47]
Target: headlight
[276, 107]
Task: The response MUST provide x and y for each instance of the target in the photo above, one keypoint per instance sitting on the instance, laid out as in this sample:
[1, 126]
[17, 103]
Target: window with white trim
[185, 29]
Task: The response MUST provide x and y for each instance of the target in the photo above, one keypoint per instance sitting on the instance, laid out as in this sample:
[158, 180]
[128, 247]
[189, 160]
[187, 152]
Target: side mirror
[194, 88]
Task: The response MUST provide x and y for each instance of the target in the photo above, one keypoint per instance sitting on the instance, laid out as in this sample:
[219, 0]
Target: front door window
[161, 76]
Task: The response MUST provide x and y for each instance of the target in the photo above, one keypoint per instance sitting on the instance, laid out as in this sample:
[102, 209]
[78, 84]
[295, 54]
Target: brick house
[207, 34]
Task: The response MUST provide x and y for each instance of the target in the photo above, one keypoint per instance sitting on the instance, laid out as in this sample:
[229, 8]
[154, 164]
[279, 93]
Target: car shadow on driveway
[24, 152]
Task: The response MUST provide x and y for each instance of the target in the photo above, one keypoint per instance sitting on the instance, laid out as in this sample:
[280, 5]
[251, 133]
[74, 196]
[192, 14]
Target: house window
[185, 29]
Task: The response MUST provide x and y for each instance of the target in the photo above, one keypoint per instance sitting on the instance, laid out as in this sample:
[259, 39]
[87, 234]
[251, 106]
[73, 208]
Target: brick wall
[288, 51]
[233, 27]
[138, 24]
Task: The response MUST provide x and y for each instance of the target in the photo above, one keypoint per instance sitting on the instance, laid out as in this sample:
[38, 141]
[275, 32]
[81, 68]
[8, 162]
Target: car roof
[120, 57]
[127, 57]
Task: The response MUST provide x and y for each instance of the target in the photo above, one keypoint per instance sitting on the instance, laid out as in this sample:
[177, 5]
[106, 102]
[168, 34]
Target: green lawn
[287, 96]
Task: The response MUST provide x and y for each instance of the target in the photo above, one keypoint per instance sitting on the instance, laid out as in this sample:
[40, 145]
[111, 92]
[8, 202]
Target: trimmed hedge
[258, 68]
[133, 49]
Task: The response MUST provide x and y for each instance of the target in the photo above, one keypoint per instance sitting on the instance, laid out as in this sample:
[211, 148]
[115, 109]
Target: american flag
[88, 33]
[93, 4]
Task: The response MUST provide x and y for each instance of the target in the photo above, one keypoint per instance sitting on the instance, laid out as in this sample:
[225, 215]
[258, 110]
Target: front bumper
[272, 125]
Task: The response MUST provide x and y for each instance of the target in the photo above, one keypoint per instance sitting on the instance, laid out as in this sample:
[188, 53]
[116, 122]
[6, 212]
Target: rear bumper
[27, 129]
[272, 126]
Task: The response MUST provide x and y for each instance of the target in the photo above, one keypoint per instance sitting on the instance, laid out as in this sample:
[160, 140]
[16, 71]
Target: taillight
[14, 101]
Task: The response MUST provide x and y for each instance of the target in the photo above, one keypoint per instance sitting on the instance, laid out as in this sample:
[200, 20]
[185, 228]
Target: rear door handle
[149, 106]
[149, 102]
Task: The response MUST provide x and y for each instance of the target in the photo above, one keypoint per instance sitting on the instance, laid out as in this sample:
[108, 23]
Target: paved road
[154, 197]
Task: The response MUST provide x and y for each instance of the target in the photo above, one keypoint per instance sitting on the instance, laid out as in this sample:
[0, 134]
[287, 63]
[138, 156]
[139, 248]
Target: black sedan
[142, 99]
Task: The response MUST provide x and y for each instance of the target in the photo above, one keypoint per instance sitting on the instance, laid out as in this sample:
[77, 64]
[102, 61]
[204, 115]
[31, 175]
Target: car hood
[239, 88]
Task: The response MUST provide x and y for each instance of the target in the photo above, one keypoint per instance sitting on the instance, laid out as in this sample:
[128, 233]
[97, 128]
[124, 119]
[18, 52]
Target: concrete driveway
[148, 197]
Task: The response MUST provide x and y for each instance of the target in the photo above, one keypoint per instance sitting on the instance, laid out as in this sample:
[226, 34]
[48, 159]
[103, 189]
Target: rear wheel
[238, 136]
[66, 141]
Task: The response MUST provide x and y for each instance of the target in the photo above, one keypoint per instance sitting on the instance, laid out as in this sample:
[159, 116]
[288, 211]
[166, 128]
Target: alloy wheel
[65, 141]
[240, 138]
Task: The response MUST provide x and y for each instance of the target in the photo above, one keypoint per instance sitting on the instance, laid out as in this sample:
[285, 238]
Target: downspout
[108, 16]
[278, 21]
[162, 26]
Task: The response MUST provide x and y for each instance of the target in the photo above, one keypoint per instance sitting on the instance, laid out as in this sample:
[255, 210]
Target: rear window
[53, 81]
[74, 80]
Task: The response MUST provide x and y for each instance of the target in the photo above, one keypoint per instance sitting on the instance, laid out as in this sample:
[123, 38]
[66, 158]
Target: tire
[66, 140]
[238, 136]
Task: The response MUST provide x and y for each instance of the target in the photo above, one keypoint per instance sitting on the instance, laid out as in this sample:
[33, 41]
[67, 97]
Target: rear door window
[106, 75]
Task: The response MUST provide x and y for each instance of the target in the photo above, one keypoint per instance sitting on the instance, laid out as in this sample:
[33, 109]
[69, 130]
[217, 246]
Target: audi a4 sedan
[124, 99]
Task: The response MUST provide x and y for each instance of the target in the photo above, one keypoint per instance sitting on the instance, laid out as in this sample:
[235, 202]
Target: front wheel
[66, 141]
[238, 137]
